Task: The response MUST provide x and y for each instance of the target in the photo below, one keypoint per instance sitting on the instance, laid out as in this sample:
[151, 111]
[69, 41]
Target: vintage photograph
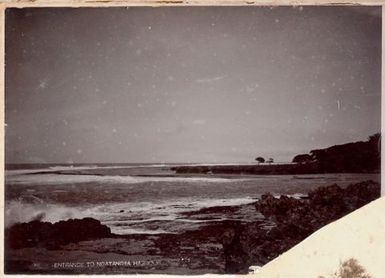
[185, 140]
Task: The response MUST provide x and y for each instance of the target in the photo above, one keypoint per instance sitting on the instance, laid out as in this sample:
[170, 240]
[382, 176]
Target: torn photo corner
[192, 140]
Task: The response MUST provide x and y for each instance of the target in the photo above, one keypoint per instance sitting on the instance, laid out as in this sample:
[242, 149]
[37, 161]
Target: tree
[270, 160]
[302, 158]
[375, 138]
[375, 142]
[260, 159]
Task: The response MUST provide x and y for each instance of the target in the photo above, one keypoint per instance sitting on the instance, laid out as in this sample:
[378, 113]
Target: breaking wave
[120, 217]
[43, 179]
[17, 211]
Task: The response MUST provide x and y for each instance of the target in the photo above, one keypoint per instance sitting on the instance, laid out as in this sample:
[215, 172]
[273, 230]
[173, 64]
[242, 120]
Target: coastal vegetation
[260, 159]
[302, 158]
[355, 157]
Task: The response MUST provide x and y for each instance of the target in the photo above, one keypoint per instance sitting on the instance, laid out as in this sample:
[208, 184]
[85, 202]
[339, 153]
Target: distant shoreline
[26, 166]
[218, 171]
[273, 169]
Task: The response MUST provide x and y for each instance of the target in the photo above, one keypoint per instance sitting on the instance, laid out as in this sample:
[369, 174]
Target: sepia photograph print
[185, 140]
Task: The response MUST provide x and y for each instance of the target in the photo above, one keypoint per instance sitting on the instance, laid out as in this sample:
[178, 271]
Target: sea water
[143, 198]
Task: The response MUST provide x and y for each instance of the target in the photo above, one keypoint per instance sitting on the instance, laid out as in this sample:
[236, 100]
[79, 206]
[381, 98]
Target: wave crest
[17, 211]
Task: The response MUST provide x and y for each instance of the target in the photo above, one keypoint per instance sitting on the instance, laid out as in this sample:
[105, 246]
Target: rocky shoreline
[230, 246]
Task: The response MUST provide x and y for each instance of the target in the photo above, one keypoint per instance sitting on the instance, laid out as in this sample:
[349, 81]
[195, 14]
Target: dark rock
[359, 194]
[237, 260]
[294, 221]
[52, 236]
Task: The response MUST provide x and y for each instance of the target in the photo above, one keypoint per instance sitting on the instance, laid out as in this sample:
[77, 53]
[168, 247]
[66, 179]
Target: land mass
[356, 157]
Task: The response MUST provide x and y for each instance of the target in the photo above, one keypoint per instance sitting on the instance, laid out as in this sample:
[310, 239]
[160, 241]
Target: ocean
[144, 198]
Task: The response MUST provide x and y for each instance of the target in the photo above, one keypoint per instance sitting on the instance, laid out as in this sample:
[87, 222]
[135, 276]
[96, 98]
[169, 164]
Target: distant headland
[355, 157]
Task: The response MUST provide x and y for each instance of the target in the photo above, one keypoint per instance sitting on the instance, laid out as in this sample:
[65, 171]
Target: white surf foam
[62, 168]
[17, 211]
[118, 216]
[46, 179]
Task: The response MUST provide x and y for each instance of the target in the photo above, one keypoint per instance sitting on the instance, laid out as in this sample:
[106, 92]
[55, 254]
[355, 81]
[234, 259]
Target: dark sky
[194, 84]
